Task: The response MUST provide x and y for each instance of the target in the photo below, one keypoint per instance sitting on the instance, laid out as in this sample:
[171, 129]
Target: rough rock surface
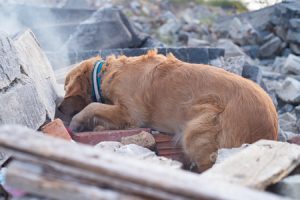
[289, 92]
[27, 82]
[112, 28]
[292, 65]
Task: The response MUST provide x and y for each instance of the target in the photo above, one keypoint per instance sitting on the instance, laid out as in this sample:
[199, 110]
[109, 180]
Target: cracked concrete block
[36, 65]
[27, 82]
[9, 66]
[21, 104]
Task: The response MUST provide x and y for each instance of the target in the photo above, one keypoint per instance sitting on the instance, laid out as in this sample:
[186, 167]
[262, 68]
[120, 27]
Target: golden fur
[206, 107]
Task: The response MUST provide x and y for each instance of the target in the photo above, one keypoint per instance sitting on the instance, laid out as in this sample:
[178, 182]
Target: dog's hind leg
[97, 114]
[200, 136]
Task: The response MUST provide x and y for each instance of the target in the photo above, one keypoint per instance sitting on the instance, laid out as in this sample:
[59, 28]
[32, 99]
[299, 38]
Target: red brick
[166, 146]
[94, 138]
[56, 128]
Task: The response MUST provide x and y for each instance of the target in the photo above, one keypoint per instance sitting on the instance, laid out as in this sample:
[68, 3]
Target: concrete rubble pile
[263, 46]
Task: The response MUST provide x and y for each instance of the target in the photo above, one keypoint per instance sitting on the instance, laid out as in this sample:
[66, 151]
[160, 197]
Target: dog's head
[78, 88]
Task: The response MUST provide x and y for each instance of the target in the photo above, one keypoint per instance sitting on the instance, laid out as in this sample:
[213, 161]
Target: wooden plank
[259, 165]
[54, 169]
[29, 177]
[148, 176]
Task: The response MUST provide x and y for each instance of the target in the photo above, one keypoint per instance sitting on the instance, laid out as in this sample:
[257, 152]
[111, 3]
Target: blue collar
[96, 82]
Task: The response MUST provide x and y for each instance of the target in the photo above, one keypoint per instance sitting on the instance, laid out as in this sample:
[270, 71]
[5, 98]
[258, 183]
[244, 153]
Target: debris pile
[262, 46]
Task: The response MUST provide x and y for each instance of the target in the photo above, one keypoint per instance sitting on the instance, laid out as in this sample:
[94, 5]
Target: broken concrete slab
[231, 49]
[9, 64]
[28, 87]
[22, 105]
[270, 48]
[289, 91]
[292, 65]
[106, 28]
[253, 73]
[287, 122]
[36, 65]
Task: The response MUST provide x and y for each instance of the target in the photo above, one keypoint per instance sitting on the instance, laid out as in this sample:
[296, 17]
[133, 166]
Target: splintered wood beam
[30, 177]
[87, 165]
[261, 164]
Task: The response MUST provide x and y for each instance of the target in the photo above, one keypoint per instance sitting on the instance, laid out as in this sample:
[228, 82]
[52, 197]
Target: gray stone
[295, 48]
[239, 31]
[170, 27]
[22, 105]
[253, 73]
[278, 64]
[288, 187]
[30, 96]
[251, 50]
[270, 86]
[286, 108]
[260, 19]
[231, 49]
[36, 65]
[193, 42]
[137, 152]
[9, 63]
[284, 136]
[106, 28]
[266, 61]
[287, 51]
[242, 32]
[271, 75]
[292, 65]
[293, 36]
[270, 48]
[295, 24]
[289, 91]
[231, 64]
[281, 32]
[287, 122]
[297, 112]
[152, 43]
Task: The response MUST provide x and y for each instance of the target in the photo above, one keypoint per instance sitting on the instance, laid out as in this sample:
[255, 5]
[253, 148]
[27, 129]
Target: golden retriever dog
[206, 107]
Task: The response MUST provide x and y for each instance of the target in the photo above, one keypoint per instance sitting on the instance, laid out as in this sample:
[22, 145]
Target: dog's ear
[71, 105]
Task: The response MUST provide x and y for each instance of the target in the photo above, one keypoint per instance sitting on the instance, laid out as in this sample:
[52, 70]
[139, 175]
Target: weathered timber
[115, 171]
[31, 178]
[259, 165]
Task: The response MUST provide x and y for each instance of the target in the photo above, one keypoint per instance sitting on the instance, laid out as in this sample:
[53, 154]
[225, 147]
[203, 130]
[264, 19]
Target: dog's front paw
[77, 125]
